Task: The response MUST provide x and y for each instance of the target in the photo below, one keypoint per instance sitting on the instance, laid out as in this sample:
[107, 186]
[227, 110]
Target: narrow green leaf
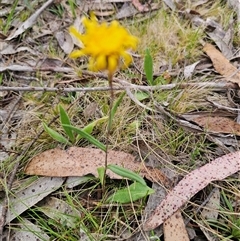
[123, 172]
[114, 108]
[10, 17]
[55, 135]
[101, 171]
[117, 103]
[148, 67]
[90, 138]
[64, 118]
[130, 194]
[89, 128]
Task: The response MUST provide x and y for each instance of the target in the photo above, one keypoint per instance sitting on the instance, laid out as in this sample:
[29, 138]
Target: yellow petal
[90, 23]
[127, 59]
[112, 63]
[101, 62]
[75, 33]
[105, 44]
[133, 42]
[92, 64]
[93, 17]
[76, 54]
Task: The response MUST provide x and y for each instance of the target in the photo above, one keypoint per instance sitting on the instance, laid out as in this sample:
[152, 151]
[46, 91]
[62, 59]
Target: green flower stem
[110, 79]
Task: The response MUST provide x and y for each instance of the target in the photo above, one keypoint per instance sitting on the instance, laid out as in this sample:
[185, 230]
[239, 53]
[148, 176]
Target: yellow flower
[105, 44]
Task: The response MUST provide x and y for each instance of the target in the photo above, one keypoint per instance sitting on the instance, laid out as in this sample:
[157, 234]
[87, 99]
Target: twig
[219, 106]
[58, 89]
[211, 85]
[136, 101]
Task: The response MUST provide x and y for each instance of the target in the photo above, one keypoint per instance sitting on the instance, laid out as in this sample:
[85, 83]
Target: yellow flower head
[105, 44]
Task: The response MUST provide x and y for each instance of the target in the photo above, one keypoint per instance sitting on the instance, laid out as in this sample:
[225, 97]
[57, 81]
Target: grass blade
[101, 172]
[89, 128]
[114, 108]
[87, 136]
[55, 135]
[64, 118]
[123, 172]
[148, 67]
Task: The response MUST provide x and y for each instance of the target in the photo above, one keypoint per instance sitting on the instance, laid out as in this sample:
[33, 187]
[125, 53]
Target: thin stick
[215, 86]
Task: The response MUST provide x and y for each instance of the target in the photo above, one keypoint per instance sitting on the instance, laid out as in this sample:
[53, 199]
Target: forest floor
[170, 130]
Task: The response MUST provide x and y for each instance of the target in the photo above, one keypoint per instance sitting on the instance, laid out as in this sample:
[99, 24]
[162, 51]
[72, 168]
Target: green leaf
[87, 136]
[130, 194]
[55, 135]
[65, 120]
[117, 103]
[123, 172]
[89, 128]
[148, 67]
[101, 172]
[140, 95]
[114, 108]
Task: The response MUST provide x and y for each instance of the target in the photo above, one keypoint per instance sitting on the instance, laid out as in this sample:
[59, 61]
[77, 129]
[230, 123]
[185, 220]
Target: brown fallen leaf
[192, 183]
[218, 124]
[25, 198]
[78, 161]
[221, 64]
[174, 228]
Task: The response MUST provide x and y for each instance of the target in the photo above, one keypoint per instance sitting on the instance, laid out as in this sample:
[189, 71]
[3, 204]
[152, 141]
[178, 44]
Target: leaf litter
[22, 233]
[78, 161]
[192, 183]
[26, 63]
[35, 192]
[222, 65]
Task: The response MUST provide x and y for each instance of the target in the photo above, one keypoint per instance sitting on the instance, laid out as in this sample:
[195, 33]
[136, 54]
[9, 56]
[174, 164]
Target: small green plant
[1, 78]
[228, 221]
[58, 10]
[137, 190]
[148, 70]
[10, 17]
[74, 134]
[148, 67]
[72, 5]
